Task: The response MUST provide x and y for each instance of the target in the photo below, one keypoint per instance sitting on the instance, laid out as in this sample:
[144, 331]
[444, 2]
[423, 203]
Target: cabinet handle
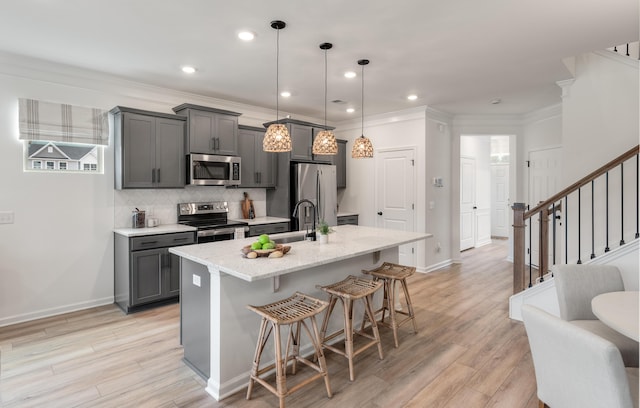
[255, 177]
[180, 239]
[149, 243]
[158, 176]
[153, 175]
[260, 177]
[212, 143]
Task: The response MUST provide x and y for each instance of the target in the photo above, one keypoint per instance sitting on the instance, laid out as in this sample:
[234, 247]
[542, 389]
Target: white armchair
[576, 368]
[576, 285]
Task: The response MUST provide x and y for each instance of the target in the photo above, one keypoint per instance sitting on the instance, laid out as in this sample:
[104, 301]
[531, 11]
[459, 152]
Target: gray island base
[219, 333]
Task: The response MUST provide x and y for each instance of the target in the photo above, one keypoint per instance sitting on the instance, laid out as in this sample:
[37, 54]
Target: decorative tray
[265, 252]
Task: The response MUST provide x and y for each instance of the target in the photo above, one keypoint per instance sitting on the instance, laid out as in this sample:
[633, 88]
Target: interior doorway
[485, 168]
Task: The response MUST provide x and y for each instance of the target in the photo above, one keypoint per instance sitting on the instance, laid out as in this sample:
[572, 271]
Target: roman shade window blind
[56, 122]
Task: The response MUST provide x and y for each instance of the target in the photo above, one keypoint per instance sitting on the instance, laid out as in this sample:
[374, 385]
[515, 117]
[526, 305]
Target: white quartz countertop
[262, 220]
[160, 229]
[347, 241]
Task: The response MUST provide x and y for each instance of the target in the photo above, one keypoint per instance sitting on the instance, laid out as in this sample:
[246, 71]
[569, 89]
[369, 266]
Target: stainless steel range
[211, 220]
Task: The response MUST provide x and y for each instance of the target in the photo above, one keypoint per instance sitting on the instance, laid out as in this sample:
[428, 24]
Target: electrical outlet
[6, 217]
[196, 280]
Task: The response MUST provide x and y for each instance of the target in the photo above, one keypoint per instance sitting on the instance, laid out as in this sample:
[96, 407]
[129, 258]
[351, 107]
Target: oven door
[211, 170]
[216, 234]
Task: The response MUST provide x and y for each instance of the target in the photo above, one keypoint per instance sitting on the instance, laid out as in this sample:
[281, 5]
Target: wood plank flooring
[467, 353]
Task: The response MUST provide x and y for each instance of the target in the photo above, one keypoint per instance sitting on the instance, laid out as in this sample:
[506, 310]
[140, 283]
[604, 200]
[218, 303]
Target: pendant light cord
[362, 100]
[325, 88]
[277, 75]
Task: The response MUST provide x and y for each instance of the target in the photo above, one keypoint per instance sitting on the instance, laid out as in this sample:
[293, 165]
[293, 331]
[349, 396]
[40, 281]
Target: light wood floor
[467, 353]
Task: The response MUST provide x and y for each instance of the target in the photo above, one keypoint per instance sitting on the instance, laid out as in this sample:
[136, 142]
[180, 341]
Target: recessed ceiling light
[188, 70]
[349, 74]
[412, 97]
[246, 35]
[350, 110]
[285, 94]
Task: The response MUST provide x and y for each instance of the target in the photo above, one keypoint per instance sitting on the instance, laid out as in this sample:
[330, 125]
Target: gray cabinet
[348, 220]
[340, 161]
[274, 228]
[145, 271]
[210, 130]
[149, 149]
[258, 167]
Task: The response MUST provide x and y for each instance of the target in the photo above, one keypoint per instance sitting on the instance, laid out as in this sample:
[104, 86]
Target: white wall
[58, 254]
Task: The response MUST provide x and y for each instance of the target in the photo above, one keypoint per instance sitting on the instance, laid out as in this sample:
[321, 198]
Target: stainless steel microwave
[213, 170]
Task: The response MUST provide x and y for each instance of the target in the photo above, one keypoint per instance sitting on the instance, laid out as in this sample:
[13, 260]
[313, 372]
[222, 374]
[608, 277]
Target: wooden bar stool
[292, 312]
[390, 274]
[348, 290]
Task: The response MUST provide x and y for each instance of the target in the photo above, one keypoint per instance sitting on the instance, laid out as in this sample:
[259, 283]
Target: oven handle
[219, 231]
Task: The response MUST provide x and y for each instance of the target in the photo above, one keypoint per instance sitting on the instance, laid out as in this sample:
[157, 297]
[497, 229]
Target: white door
[500, 211]
[544, 181]
[395, 196]
[467, 202]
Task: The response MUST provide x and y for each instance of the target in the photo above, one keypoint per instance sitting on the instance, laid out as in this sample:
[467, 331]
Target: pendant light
[325, 141]
[277, 138]
[362, 147]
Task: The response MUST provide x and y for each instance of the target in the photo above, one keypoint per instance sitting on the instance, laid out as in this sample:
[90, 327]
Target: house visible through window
[54, 156]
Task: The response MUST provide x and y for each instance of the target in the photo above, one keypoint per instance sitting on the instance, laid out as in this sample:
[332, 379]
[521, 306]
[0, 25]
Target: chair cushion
[628, 347]
[576, 285]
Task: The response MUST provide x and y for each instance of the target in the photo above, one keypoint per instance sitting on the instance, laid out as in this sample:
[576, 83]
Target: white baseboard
[436, 266]
[25, 317]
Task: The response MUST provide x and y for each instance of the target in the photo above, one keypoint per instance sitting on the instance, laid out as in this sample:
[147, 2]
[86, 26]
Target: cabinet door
[301, 142]
[340, 160]
[138, 150]
[146, 276]
[202, 127]
[170, 157]
[172, 277]
[266, 163]
[247, 151]
[226, 135]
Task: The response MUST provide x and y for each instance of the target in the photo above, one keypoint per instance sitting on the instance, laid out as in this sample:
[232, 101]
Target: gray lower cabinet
[149, 149]
[274, 228]
[145, 271]
[348, 220]
[210, 130]
[259, 168]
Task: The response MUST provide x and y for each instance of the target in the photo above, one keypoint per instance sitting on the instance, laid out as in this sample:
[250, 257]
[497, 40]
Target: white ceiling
[456, 55]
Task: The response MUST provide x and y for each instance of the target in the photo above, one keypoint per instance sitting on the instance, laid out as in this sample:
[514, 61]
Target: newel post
[518, 246]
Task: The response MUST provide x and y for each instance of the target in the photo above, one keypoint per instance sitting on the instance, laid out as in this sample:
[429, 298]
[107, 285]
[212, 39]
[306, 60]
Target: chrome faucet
[311, 234]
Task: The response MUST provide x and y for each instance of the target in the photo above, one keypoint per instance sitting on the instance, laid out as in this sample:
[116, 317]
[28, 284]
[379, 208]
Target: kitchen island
[217, 331]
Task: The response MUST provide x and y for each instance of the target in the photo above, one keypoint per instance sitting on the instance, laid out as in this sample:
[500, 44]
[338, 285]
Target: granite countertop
[347, 241]
[160, 229]
[262, 220]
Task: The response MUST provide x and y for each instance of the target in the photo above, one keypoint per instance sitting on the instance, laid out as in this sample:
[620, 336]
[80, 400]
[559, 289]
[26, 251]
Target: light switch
[196, 280]
[6, 217]
[432, 205]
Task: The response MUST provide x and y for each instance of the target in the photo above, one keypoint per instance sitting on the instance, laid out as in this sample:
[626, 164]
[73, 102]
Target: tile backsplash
[162, 203]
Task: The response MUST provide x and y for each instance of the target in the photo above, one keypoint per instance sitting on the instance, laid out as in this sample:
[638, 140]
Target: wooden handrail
[583, 181]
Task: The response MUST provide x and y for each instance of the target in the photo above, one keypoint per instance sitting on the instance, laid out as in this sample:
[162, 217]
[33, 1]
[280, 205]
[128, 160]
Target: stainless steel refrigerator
[317, 183]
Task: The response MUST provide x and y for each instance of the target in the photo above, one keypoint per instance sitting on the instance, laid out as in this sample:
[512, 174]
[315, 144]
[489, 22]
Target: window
[62, 137]
[68, 157]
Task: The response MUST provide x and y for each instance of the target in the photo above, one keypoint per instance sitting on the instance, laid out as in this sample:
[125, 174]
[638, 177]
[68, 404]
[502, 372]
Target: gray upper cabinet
[149, 149]
[210, 130]
[340, 161]
[259, 168]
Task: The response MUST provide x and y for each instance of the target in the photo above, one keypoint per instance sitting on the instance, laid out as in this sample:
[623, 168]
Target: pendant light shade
[325, 141]
[362, 147]
[277, 138]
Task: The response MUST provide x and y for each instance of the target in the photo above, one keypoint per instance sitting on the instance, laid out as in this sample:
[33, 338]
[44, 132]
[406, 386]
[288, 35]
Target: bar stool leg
[281, 379]
[317, 345]
[296, 348]
[256, 358]
[348, 334]
[376, 334]
[392, 309]
[327, 315]
[409, 305]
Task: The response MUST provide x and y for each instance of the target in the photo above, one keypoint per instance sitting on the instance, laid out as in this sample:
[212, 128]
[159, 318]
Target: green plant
[324, 228]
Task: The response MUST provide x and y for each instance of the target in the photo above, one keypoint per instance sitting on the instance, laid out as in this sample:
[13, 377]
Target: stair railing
[523, 220]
